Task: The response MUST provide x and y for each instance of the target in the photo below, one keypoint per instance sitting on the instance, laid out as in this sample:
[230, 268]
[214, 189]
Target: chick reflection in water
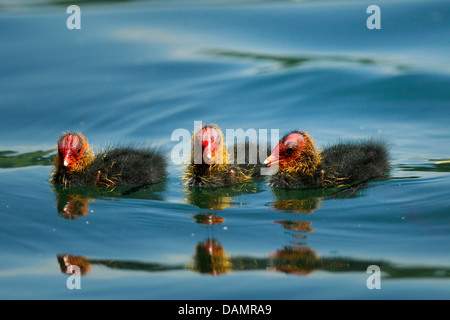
[74, 202]
[307, 200]
[219, 199]
[210, 258]
[300, 228]
[208, 219]
[298, 201]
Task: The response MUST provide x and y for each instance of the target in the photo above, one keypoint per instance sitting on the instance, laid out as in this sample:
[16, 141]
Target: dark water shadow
[287, 62]
[435, 165]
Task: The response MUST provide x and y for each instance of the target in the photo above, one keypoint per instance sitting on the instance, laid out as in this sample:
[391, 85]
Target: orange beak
[67, 160]
[208, 152]
[273, 159]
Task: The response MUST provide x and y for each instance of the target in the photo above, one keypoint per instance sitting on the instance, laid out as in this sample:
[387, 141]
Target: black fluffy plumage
[344, 163]
[214, 176]
[117, 167]
[356, 161]
[240, 170]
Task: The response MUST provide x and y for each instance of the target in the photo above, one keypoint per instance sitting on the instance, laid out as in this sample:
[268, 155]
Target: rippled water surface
[138, 70]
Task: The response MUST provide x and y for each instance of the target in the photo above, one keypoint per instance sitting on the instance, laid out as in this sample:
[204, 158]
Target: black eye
[79, 151]
[289, 150]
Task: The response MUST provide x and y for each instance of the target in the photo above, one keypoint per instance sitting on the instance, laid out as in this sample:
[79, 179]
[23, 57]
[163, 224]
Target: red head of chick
[208, 146]
[209, 166]
[74, 152]
[295, 153]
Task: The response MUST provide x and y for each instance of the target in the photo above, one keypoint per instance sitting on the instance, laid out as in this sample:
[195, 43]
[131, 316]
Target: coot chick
[301, 165]
[77, 166]
[209, 165]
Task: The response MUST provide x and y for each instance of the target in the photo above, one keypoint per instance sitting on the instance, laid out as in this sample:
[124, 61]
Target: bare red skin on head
[287, 150]
[210, 140]
[71, 150]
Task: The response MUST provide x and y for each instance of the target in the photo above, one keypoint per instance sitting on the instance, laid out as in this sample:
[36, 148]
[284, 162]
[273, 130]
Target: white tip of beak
[266, 161]
[208, 156]
[66, 163]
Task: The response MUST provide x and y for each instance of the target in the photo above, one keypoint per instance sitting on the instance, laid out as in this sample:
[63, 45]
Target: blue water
[138, 70]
